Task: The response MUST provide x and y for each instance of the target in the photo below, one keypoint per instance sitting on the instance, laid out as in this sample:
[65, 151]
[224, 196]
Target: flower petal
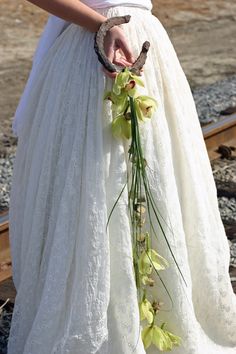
[145, 266]
[137, 80]
[121, 127]
[158, 262]
[146, 311]
[121, 80]
[176, 340]
[147, 334]
[138, 110]
[161, 340]
[117, 127]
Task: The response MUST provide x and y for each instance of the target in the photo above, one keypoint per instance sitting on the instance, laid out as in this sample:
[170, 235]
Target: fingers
[126, 50]
[119, 59]
[122, 62]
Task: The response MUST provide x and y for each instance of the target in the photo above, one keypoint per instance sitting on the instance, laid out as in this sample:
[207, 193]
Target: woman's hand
[116, 46]
[117, 49]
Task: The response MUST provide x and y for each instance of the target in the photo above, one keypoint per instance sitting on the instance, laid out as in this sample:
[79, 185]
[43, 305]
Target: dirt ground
[203, 33]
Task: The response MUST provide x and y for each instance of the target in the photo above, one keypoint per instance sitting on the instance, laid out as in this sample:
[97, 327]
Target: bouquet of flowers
[130, 110]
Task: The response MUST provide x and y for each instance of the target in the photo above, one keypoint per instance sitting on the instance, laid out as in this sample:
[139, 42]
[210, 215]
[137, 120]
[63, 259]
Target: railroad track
[219, 133]
[215, 134]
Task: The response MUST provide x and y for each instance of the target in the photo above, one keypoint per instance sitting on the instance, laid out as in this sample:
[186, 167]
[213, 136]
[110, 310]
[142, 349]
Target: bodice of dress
[96, 4]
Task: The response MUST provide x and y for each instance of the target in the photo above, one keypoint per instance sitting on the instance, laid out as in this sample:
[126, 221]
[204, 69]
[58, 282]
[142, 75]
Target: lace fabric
[75, 284]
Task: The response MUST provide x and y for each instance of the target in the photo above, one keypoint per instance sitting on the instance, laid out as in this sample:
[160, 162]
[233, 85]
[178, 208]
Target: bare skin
[116, 46]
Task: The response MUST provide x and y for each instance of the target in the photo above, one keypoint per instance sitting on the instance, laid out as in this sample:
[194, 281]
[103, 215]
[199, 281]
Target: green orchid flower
[146, 106]
[147, 280]
[160, 338]
[149, 259]
[146, 311]
[121, 127]
[126, 80]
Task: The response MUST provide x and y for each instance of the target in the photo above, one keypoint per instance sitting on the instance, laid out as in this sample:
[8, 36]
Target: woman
[76, 290]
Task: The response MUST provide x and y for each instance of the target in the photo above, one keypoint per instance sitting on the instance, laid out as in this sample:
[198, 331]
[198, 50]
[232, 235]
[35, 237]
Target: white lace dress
[76, 290]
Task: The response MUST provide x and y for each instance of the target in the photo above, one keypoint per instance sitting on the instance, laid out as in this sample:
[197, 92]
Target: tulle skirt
[76, 291]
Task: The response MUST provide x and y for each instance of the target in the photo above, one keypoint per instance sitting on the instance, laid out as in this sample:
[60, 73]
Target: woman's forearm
[73, 11]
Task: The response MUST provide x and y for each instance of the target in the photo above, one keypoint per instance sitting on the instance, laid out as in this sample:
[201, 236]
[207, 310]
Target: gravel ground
[233, 253]
[5, 322]
[224, 170]
[6, 166]
[227, 208]
[213, 99]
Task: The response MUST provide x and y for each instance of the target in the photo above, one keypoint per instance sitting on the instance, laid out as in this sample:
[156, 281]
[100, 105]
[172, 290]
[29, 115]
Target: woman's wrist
[95, 23]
